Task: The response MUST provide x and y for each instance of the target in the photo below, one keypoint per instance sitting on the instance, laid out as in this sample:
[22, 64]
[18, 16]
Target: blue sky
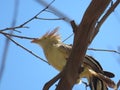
[23, 71]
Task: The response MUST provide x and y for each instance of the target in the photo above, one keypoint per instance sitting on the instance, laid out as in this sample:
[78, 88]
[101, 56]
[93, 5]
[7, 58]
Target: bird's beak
[36, 40]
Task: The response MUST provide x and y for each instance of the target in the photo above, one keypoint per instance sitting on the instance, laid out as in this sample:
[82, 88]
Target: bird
[57, 52]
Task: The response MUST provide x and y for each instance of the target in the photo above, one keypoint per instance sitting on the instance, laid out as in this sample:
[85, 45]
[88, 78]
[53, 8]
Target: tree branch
[26, 22]
[105, 50]
[51, 82]
[81, 41]
[109, 11]
[13, 35]
[55, 11]
[26, 49]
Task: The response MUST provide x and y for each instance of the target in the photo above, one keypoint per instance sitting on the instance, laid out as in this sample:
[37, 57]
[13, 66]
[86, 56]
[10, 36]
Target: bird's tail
[97, 84]
[100, 82]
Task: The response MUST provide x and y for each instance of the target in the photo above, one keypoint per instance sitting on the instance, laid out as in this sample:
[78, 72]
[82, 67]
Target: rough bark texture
[81, 41]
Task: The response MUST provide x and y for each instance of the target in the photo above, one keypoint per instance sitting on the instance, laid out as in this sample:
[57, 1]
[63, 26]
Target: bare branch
[105, 50]
[50, 18]
[109, 11]
[25, 49]
[36, 14]
[10, 35]
[31, 19]
[81, 42]
[74, 26]
[51, 82]
[13, 28]
[55, 11]
[67, 37]
[22, 37]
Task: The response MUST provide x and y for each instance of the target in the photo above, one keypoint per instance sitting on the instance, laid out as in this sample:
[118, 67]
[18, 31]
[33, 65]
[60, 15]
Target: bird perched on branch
[57, 53]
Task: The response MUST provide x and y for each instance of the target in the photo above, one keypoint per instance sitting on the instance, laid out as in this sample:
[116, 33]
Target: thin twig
[67, 37]
[50, 18]
[26, 49]
[55, 11]
[37, 14]
[86, 84]
[34, 17]
[109, 11]
[105, 50]
[94, 49]
[21, 26]
[22, 37]
[13, 28]
[52, 81]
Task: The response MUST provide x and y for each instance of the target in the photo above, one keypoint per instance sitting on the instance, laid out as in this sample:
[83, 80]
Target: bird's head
[49, 38]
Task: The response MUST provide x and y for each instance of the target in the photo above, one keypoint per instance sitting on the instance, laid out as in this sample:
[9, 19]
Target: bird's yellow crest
[49, 37]
[53, 34]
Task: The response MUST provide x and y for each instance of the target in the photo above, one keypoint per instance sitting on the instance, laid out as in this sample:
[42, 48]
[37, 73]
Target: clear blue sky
[23, 71]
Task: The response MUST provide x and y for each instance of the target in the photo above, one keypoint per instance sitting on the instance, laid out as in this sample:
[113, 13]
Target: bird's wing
[65, 49]
[89, 60]
[95, 65]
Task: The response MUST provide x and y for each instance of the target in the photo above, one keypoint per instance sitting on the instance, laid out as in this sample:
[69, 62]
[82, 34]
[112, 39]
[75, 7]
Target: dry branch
[81, 41]
[13, 28]
[25, 49]
[104, 50]
[84, 34]
[109, 11]
[26, 22]
[54, 11]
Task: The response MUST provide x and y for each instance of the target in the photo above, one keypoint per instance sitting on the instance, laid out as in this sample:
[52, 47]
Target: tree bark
[82, 36]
